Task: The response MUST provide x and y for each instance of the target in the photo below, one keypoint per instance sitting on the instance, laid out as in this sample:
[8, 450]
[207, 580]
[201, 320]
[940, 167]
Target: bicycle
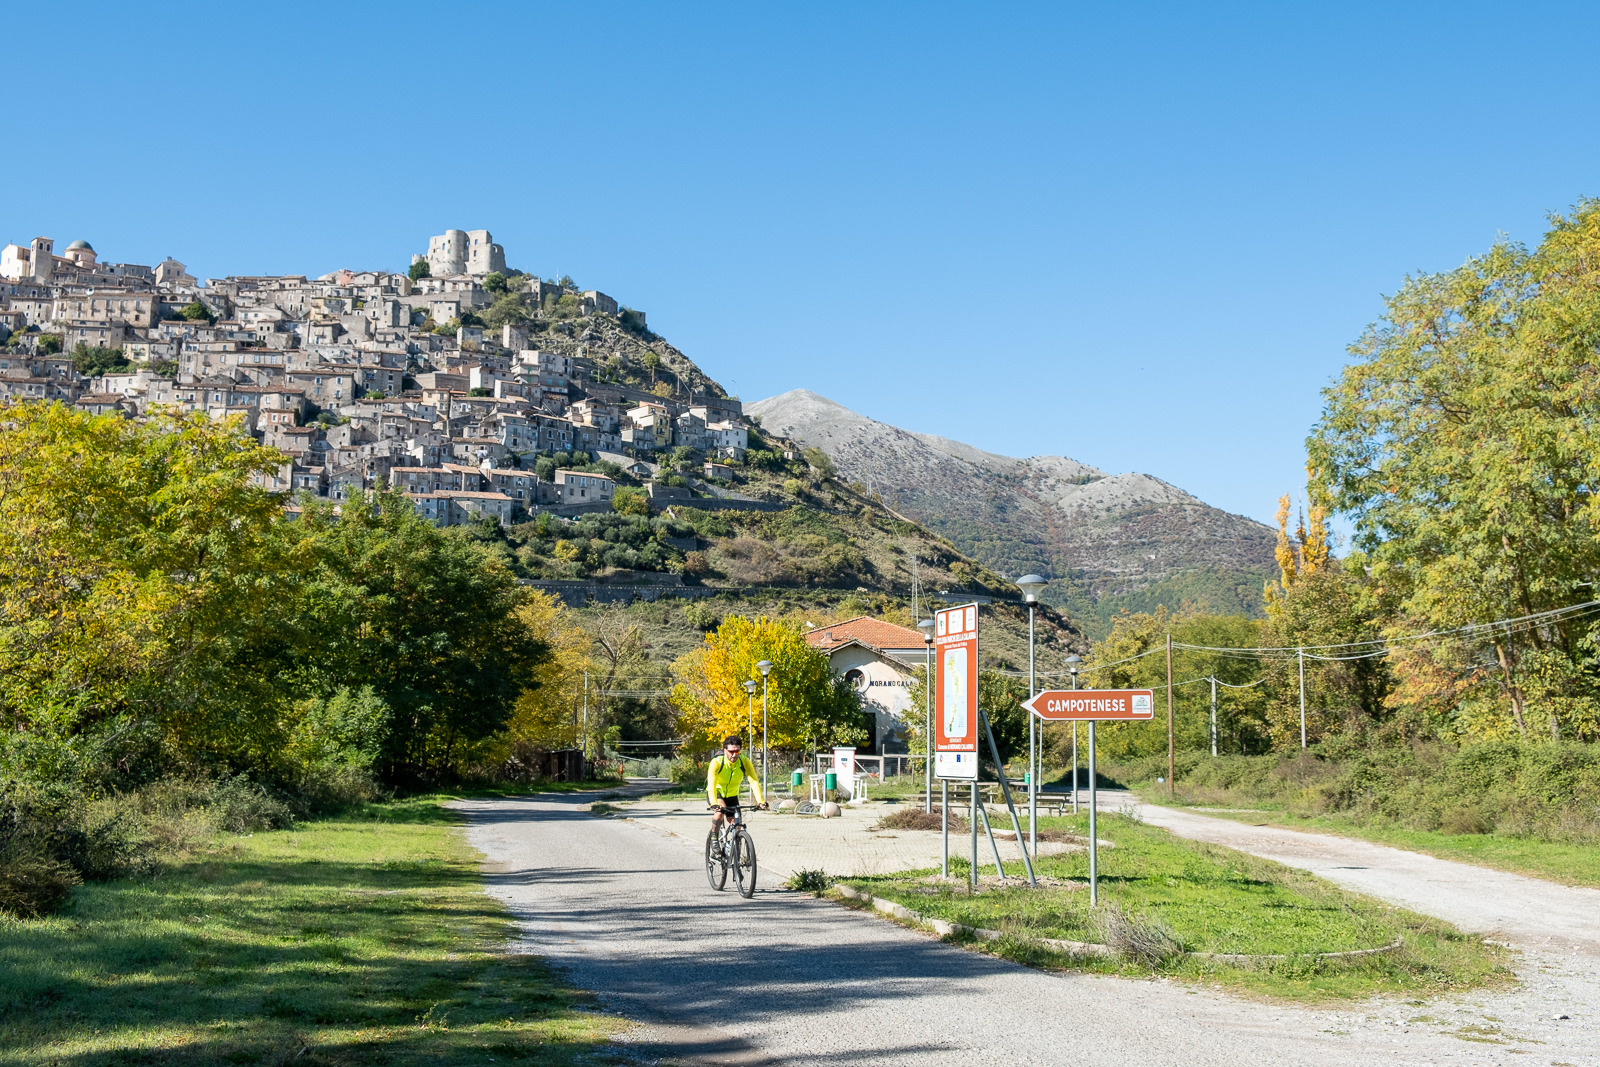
[733, 847]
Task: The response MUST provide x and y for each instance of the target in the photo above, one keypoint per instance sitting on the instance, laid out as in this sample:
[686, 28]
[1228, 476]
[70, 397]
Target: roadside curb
[945, 928]
[1077, 948]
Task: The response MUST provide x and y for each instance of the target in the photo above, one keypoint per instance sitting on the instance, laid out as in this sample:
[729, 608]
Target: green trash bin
[830, 781]
[797, 779]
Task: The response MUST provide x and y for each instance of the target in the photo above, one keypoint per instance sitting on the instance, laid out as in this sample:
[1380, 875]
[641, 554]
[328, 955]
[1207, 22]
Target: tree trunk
[1512, 688]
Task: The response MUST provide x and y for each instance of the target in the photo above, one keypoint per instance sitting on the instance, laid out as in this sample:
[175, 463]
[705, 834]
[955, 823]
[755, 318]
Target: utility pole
[1072, 665]
[1301, 653]
[1170, 784]
[1213, 716]
[926, 626]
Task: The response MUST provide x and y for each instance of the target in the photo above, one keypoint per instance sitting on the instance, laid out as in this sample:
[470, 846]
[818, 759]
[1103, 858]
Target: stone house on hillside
[579, 487]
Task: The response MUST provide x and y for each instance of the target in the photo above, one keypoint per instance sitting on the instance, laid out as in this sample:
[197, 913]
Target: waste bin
[796, 780]
[830, 781]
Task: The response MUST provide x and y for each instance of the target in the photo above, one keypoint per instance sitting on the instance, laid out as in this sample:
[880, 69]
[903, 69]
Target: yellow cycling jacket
[723, 778]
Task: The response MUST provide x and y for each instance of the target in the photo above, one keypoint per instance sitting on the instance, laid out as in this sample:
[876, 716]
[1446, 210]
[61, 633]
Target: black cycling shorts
[730, 802]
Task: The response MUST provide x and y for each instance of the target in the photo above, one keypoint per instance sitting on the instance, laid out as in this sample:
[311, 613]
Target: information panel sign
[955, 706]
[1117, 705]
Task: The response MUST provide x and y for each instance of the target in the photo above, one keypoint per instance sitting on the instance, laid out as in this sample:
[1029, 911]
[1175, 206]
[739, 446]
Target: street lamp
[926, 626]
[1072, 665]
[765, 667]
[1031, 585]
[750, 708]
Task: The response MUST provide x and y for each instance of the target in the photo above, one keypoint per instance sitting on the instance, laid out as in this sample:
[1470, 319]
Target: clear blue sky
[1137, 235]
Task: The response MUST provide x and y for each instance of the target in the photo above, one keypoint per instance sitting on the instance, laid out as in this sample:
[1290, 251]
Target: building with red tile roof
[882, 661]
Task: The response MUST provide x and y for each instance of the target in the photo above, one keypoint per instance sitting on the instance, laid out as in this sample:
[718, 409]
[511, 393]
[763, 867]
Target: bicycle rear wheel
[744, 864]
[716, 869]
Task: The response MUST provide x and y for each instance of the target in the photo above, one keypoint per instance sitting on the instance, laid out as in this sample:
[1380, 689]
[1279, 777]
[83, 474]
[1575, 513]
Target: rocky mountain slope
[1120, 540]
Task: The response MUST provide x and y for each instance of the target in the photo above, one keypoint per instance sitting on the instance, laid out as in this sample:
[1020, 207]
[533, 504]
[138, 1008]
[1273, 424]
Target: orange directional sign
[955, 740]
[1113, 704]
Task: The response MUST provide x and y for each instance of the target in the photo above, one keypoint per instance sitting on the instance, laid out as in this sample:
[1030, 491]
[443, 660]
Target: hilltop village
[448, 381]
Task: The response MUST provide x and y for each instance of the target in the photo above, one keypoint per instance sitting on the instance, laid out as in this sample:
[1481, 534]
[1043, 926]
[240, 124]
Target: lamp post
[765, 667]
[926, 626]
[1072, 666]
[750, 709]
[1031, 584]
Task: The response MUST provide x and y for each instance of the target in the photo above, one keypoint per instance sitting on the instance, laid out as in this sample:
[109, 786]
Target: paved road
[788, 979]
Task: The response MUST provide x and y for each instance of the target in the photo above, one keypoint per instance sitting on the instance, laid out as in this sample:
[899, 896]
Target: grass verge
[1208, 899]
[1555, 861]
[364, 939]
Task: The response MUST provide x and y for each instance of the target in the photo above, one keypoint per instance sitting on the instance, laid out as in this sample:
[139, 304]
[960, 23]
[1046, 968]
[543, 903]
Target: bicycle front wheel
[716, 869]
[744, 864]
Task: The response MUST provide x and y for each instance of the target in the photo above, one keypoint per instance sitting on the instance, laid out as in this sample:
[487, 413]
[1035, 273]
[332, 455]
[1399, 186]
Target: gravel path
[847, 845]
[1526, 912]
[788, 979]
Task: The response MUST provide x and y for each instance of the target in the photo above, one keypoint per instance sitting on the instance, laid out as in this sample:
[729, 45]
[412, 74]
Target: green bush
[53, 838]
[687, 773]
[803, 881]
[32, 882]
[701, 617]
[653, 767]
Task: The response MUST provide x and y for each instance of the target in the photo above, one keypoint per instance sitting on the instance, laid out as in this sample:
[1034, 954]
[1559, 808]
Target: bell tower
[42, 258]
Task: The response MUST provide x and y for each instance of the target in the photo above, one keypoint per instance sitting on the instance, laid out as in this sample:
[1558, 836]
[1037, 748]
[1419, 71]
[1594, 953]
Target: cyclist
[723, 778]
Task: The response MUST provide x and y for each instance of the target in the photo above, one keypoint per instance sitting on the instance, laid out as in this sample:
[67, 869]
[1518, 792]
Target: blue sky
[1137, 235]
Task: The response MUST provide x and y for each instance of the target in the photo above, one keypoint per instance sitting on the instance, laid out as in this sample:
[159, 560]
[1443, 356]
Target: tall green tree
[93, 361]
[133, 552]
[427, 618]
[1464, 444]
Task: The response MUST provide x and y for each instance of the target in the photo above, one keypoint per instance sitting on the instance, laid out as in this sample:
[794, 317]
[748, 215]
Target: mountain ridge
[1111, 540]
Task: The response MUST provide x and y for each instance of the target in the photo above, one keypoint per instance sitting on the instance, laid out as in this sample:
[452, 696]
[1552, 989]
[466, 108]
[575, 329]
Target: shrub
[917, 819]
[630, 501]
[326, 788]
[687, 772]
[653, 767]
[33, 883]
[804, 881]
[701, 618]
[240, 806]
[1142, 940]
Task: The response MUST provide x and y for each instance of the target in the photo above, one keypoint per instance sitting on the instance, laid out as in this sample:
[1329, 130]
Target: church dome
[80, 244]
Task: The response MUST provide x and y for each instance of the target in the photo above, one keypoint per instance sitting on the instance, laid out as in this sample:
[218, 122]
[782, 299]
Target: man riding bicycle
[727, 772]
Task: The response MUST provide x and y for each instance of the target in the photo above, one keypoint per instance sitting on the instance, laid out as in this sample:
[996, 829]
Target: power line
[1521, 622]
[1384, 645]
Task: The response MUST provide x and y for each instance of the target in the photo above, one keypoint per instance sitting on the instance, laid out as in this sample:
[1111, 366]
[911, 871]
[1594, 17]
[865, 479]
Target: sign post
[955, 738]
[1093, 705]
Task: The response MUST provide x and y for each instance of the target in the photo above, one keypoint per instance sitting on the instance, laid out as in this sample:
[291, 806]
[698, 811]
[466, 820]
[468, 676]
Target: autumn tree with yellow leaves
[808, 707]
[1319, 601]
